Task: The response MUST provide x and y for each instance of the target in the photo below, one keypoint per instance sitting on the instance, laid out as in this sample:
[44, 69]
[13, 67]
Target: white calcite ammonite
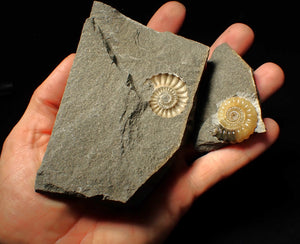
[169, 96]
[237, 118]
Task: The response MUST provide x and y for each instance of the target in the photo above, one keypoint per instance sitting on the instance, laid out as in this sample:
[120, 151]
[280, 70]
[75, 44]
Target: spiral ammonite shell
[170, 95]
[237, 119]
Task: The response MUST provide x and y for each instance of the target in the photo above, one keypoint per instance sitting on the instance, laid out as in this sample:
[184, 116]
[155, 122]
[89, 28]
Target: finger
[45, 101]
[222, 163]
[50, 92]
[238, 36]
[169, 17]
[269, 77]
[187, 183]
[46, 98]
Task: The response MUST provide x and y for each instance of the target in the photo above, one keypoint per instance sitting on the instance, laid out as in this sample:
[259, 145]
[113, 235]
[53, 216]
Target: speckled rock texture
[107, 142]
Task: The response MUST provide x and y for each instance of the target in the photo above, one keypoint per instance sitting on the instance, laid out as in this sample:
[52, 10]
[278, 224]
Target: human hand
[29, 217]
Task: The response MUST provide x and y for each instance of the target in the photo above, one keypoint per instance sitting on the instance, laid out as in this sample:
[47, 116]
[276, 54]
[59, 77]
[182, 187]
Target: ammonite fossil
[170, 95]
[237, 119]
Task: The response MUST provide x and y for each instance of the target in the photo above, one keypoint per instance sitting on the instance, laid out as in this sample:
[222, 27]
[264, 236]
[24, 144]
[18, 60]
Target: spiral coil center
[169, 97]
[235, 115]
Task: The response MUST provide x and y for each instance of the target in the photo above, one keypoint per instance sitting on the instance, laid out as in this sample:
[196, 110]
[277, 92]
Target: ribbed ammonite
[170, 95]
[237, 118]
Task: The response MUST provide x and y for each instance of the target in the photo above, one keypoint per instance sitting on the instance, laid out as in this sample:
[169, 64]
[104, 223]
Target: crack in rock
[134, 107]
[106, 44]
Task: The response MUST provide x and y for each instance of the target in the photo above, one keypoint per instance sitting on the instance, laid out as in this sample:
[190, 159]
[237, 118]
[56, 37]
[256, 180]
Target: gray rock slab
[227, 75]
[107, 141]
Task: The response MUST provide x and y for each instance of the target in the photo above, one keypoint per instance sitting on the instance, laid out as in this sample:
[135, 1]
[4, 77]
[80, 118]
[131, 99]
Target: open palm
[29, 217]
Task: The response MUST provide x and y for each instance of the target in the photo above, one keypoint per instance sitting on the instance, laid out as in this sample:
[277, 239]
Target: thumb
[35, 126]
[45, 101]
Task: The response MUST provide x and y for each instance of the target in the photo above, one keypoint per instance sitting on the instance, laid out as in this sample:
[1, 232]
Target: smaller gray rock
[227, 76]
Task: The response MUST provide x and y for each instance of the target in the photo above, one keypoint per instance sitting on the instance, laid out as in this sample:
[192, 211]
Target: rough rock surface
[107, 141]
[227, 75]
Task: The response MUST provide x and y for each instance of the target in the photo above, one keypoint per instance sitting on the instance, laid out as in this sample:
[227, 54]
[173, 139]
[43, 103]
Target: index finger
[169, 17]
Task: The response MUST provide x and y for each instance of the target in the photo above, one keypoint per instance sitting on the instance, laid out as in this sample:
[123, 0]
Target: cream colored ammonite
[237, 119]
[170, 95]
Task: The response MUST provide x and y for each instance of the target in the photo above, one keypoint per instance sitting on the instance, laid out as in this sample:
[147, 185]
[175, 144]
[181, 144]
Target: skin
[29, 217]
